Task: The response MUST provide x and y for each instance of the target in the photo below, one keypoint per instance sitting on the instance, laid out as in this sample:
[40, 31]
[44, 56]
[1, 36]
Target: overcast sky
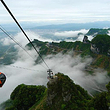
[56, 11]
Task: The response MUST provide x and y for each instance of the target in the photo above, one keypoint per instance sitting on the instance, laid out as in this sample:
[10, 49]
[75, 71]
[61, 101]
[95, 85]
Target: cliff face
[62, 93]
[58, 91]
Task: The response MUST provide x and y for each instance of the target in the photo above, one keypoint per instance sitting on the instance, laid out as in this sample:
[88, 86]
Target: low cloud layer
[76, 35]
[23, 70]
[70, 33]
[22, 40]
[74, 67]
[69, 36]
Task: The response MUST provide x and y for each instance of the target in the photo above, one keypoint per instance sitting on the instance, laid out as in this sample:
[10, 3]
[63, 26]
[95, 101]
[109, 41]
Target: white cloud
[90, 37]
[23, 70]
[70, 33]
[75, 69]
[22, 40]
[80, 38]
[109, 33]
[6, 41]
[78, 35]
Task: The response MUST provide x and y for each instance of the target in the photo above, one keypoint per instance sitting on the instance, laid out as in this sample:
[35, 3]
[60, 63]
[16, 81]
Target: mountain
[98, 49]
[75, 26]
[12, 28]
[61, 94]
[96, 31]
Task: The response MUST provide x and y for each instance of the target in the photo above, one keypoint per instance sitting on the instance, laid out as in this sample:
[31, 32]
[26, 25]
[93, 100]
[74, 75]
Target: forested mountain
[75, 26]
[8, 53]
[61, 92]
[96, 31]
[98, 49]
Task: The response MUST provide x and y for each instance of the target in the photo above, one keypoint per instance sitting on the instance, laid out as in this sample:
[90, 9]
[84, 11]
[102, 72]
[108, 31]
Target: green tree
[99, 102]
[102, 42]
[24, 96]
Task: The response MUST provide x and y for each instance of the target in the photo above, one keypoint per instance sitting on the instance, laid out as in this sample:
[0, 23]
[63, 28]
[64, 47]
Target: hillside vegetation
[61, 94]
[101, 56]
[97, 31]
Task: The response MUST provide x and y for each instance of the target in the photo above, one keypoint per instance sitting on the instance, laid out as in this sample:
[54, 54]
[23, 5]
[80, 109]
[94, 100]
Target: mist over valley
[21, 67]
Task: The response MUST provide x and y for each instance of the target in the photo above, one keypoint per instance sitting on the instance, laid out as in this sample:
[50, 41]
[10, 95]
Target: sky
[56, 11]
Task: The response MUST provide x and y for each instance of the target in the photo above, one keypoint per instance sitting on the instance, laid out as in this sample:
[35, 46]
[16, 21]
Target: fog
[70, 33]
[25, 70]
[74, 67]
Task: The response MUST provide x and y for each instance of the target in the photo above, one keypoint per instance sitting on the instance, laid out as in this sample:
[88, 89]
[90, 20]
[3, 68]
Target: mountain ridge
[61, 27]
[75, 26]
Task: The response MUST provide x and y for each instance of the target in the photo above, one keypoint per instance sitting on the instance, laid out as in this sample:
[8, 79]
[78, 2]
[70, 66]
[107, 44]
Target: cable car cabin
[50, 74]
[2, 79]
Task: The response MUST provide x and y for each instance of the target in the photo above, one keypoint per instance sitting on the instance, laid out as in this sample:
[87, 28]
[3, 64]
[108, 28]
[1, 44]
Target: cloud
[75, 35]
[90, 37]
[80, 38]
[70, 33]
[109, 33]
[23, 70]
[74, 67]
[6, 41]
[19, 38]
[22, 40]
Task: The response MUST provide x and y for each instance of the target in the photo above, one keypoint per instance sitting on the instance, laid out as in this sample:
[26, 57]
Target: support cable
[14, 41]
[19, 67]
[4, 31]
[23, 31]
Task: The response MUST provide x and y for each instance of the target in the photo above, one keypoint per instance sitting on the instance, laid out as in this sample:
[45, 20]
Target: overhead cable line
[5, 32]
[18, 67]
[23, 31]
[14, 41]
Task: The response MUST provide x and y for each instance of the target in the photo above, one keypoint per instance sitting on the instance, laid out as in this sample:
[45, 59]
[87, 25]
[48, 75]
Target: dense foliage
[25, 96]
[79, 99]
[64, 94]
[99, 102]
[7, 104]
[102, 42]
[36, 43]
[46, 48]
[97, 31]
[77, 96]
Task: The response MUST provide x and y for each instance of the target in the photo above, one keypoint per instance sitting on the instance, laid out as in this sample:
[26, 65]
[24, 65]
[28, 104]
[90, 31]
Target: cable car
[2, 79]
[50, 73]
